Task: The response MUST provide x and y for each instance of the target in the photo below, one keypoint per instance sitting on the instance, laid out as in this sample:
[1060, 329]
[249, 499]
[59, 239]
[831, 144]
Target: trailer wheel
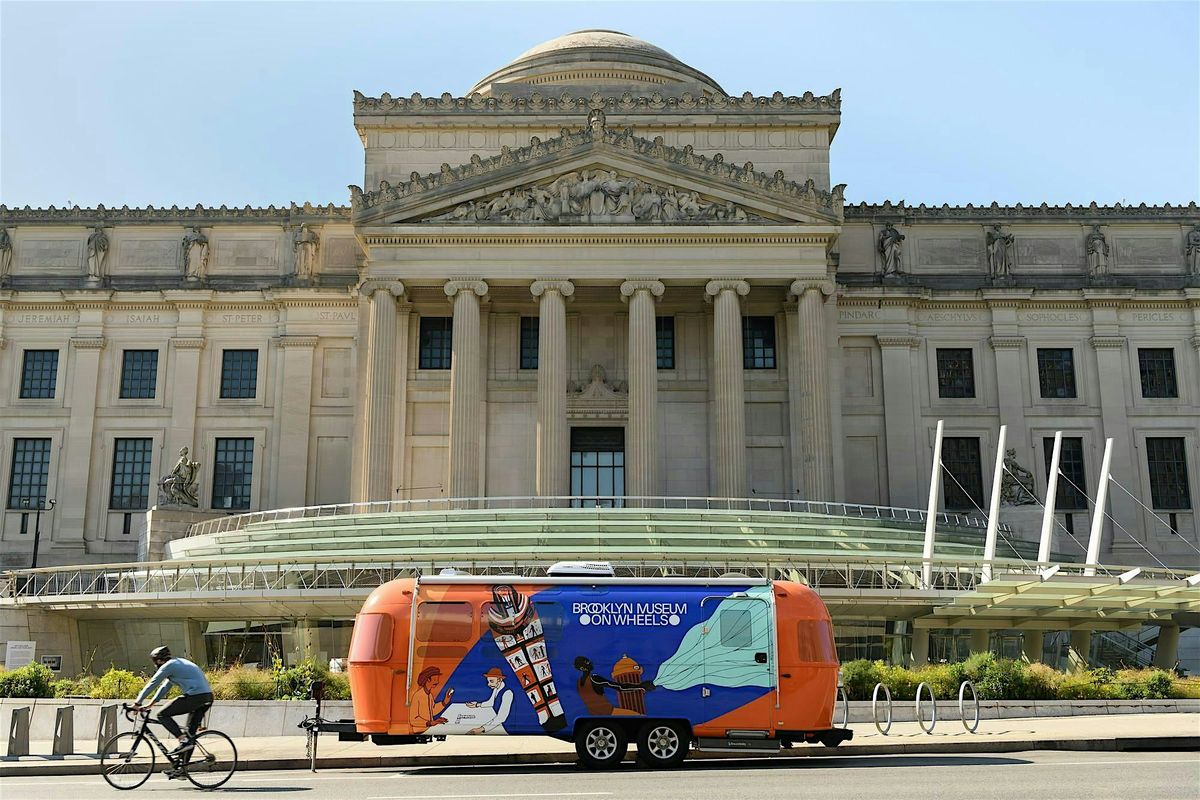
[600, 744]
[662, 745]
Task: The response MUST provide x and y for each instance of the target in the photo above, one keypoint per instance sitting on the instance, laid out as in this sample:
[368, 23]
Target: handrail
[912, 516]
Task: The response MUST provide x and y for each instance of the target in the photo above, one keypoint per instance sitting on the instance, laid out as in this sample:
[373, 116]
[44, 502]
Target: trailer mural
[555, 654]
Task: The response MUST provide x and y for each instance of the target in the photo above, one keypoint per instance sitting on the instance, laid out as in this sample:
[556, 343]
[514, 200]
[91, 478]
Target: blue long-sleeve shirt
[181, 672]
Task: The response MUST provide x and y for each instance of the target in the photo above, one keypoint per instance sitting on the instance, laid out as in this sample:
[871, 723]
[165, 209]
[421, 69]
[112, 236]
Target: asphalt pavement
[982, 776]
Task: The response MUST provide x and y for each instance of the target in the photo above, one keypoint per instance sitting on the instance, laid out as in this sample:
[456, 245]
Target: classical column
[552, 477]
[466, 391]
[291, 472]
[641, 439]
[808, 391]
[729, 389]
[380, 389]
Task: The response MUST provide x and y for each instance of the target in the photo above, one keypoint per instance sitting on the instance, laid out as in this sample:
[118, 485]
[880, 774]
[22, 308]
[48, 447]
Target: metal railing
[365, 573]
[906, 516]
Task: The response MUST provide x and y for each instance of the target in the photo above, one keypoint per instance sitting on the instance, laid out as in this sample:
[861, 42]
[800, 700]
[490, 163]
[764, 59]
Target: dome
[598, 59]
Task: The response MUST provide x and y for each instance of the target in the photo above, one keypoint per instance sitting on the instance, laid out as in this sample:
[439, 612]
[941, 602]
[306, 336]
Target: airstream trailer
[724, 664]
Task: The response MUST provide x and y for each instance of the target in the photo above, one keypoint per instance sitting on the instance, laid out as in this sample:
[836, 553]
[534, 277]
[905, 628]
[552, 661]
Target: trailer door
[740, 652]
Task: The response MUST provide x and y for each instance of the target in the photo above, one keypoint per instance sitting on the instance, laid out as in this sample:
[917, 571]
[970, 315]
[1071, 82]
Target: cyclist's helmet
[162, 653]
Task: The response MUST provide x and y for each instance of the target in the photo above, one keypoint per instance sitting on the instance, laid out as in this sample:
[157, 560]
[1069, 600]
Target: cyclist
[196, 700]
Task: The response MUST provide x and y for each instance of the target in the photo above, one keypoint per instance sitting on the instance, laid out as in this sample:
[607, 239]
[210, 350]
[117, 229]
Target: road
[1019, 776]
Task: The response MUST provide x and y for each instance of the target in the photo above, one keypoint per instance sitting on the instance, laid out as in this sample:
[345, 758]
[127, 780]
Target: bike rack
[64, 731]
[844, 701]
[875, 711]
[18, 732]
[962, 714]
[932, 702]
[107, 727]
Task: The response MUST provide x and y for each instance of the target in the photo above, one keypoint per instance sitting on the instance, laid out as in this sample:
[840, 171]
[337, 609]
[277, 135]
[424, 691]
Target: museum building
[595, 277]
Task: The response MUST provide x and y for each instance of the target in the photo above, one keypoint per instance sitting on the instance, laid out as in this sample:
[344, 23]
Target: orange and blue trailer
[716, 664]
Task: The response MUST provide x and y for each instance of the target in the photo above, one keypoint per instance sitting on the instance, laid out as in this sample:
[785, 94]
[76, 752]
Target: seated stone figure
[179, 486]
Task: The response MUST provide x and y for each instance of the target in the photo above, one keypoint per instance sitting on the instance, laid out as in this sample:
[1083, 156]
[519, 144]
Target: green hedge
[1006, 679]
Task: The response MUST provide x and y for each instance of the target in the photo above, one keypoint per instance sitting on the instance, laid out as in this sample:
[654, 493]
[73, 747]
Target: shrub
[1092, 684]
[1186, 688]
[1042, 682]
[32, 680]
[337, 686]
[118, 684]
[943, 679]
[242, 683]
[79, 686]
[1143, 684]
[859, 678]
[293, 683]
[902, 682]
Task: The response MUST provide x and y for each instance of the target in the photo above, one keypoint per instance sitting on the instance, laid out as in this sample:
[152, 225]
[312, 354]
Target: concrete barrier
[106, 727]
[64, 731]
[18, 732]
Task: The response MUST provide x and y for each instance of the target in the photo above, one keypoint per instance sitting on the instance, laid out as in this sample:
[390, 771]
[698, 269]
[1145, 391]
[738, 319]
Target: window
[445, 622]
[436, 342]
[962, 475]
[372, 639]
[139, 370]
[39, 373]
[956, 372]
[815, 640]
[131, 475]
[597, 467]
[30, 468]
[664, 328]
[758, 342]
[735, 627]
[529, 342]
[1157, 365]
[239, 374]
[1070, 468]
[1056, 371]
[233, 473]
[1168, 473]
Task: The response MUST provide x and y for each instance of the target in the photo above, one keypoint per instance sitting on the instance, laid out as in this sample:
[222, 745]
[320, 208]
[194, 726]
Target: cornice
[911, 342]
[888, 211]
[188, 343]
[87, 342]
[597, 135]
[532, 236]
[1107, 342]
[537, 103]
[297, 341]
[199, 215]
[1006, 342]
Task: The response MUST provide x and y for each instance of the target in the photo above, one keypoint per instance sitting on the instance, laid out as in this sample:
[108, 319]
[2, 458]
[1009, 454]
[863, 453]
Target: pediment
[597, 176]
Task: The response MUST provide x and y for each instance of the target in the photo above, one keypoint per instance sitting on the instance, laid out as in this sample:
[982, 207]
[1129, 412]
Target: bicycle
[127, 760]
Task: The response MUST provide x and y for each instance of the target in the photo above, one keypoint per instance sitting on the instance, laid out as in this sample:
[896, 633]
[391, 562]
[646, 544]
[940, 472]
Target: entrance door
[598, 467]
[739, 655]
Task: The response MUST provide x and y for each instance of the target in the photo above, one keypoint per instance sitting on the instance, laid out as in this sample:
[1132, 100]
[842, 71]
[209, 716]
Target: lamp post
[37, 524]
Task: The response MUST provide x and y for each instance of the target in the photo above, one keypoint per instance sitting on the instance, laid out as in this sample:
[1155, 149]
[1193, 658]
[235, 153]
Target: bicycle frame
[144, 732]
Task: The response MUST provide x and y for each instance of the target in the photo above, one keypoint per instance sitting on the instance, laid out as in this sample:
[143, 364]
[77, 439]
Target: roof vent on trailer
[581, 569]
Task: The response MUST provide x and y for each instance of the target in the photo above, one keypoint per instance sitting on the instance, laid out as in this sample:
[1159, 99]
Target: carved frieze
[986, 213]
[628, 103]
[174, 214]
[596, 195]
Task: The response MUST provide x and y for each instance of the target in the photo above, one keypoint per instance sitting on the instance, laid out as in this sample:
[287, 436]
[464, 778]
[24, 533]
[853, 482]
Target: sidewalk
[1109, 732]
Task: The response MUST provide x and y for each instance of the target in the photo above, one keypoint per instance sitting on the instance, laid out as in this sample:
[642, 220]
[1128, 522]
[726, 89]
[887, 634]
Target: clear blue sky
[238, 103]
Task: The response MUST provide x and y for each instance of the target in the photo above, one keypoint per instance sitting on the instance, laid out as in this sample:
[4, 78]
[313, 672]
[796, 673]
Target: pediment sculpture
[1017, 487]
[180, 486]
[597, 387]
[596, 195]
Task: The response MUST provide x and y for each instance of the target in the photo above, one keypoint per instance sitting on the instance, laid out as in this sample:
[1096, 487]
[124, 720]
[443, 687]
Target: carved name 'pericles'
[596, 195]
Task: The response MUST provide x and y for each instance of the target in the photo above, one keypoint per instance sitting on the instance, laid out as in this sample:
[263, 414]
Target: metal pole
[1048, 512]
[993, 524]
[37, 534]
[931, 510]
[1093, 551]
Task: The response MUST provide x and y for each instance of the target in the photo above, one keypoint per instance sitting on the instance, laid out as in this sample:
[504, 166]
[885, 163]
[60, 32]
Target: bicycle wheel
[127, 760]
[213, 760]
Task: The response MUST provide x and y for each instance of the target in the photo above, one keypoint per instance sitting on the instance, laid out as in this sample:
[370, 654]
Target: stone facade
[594, 200]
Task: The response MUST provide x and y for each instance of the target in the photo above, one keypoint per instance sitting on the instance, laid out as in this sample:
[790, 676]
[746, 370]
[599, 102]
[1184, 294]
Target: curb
[91, 765]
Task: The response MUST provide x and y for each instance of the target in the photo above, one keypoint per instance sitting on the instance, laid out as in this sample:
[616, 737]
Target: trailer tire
[600, 744]
[662, 745]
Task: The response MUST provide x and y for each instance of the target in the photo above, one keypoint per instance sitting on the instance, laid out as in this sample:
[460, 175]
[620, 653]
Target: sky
[250, 103]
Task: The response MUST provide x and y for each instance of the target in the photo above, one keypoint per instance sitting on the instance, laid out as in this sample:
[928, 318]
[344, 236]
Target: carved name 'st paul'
[596, 195]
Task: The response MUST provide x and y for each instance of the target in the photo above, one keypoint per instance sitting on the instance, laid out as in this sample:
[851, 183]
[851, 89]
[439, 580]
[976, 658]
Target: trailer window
[445, 622]
[815, 638]
[372, 639]
[735, 628]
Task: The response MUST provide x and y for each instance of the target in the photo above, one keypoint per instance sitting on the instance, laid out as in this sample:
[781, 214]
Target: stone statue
[180, 487]
[6, 256]
[596, 121]
[195, 255]
[306, 241]
[999, 247]
[1193, 252]
[1016, 485]
[889, 248]
[97, 253]
[596, 195]
[1097, 253]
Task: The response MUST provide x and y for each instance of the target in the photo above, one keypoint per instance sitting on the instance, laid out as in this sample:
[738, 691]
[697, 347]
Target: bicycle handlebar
[130, 711]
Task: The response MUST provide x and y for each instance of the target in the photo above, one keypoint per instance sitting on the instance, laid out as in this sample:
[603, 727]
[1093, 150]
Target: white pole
[1051, 493]
[993, 527]
[1093, 551]
[935, 480]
